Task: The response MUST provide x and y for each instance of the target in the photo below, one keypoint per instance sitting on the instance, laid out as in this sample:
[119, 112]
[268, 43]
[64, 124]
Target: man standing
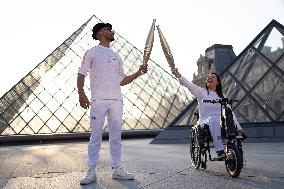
[106, 76]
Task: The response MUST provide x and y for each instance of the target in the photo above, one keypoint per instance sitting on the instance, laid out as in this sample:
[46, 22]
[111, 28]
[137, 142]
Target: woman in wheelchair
[209, 113]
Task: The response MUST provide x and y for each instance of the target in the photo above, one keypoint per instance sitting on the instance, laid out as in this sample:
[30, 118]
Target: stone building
[216, 59]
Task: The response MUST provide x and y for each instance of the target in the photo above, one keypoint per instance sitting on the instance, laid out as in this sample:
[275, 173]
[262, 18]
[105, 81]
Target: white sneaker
[120, 173]
[90, 177]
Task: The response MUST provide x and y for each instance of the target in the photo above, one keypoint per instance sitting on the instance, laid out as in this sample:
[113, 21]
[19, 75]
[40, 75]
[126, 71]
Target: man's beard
[111, 39]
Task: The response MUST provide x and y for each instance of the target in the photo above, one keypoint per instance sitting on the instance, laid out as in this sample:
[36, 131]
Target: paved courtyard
[165, 166]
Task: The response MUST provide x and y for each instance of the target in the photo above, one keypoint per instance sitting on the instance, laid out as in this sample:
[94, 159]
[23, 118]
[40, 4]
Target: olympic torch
[149, 44]
[166, 49]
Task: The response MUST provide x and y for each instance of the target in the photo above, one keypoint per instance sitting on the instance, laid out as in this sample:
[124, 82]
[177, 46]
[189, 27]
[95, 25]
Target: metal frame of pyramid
[255, 78]
[45, 101]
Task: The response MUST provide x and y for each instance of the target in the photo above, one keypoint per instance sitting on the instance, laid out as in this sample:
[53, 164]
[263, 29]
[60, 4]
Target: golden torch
[149, 44]
[166, 49]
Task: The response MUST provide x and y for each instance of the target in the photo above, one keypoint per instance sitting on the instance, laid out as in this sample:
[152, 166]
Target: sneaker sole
[86, 183]
[122, 178]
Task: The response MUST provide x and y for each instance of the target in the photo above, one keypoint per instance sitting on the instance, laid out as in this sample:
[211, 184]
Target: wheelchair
[201, 139]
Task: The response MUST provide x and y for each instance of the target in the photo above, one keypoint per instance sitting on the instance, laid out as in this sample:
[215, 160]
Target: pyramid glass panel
[46, 99]
[273, 46]
[242, 64]
[232, 88]
[282, 117]
[258, 44]
[189, 117]
[280, 64]
[270, 92]
[255, 71]
[253, 112]
[250, 68]
[184, 119]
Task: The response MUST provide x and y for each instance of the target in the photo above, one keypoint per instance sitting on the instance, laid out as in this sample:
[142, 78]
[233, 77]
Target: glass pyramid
[255, 78]
[46, 99]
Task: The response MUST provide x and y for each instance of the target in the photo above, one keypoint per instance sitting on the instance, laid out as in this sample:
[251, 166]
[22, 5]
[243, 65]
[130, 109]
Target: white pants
[215, 130]
[113, 109]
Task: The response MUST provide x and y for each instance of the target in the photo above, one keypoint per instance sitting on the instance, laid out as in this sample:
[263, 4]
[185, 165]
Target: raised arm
[128, 79]
[194, 89]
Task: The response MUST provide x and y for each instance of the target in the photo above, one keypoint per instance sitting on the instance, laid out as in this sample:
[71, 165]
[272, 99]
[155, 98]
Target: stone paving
[165, 166]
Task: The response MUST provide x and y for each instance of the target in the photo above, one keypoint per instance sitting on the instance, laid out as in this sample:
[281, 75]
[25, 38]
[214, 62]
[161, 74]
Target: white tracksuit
[208, 113]
[106, 72]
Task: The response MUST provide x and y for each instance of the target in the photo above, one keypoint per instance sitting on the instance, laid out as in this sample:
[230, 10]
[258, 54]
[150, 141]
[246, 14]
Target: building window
[203, 70]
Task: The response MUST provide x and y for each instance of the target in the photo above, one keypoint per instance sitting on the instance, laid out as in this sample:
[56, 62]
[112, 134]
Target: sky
[32, 29]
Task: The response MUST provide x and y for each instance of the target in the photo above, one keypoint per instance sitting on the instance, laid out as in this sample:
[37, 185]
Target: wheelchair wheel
[203, 159]
[195, 149]
[240, 148]
[233, 162]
